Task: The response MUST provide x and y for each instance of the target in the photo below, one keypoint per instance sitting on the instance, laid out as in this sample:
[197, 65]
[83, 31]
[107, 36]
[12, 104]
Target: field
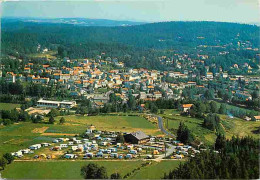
[8, 106]
[71, 169]
[106, 122]
[22, 135]
[240, 127]
[49, 55]
[233, 126]
[194, 124]
[156, 170]
[18, 136]
[229, 107]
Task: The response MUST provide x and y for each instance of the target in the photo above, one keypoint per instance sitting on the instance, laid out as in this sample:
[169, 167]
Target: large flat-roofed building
[55, 104]
[138, 137]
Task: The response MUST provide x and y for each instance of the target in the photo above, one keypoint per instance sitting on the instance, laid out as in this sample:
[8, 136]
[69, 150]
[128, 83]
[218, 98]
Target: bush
[94, 171]
[7, 122]
[51, 120]
[8, 157]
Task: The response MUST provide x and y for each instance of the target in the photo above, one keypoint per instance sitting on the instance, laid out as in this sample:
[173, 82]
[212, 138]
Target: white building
[56, 104]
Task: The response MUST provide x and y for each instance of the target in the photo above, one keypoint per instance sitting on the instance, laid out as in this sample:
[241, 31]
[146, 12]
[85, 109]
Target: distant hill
[22, 37]
[75, 21]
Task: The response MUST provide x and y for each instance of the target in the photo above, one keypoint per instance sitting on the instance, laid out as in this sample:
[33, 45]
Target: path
[160, 124]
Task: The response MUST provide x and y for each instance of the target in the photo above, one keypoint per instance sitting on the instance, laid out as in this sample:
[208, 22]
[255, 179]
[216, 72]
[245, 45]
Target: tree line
[237, 159]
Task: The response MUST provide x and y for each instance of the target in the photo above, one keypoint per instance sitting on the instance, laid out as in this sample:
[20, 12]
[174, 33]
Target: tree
[220, 142]
[234, 161]
[222, 109]
[36, 119]
[202, 107]
[154, 108]
[54, 112]
[161, 111]
[131, 102]
[213, 107]
[212, 122]
[8, 157]
[255, 95]
[3, 163]
[120, 138]
[209, 94]
[115, 176]
[93, 171]
[7, 122]
[183, 134]
[62, 120]
[51, 120]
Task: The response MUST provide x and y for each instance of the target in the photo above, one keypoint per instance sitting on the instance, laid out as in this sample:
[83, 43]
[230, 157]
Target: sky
[242, 11]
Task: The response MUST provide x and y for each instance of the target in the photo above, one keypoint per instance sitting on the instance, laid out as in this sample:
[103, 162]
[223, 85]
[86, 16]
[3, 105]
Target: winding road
[160, 124]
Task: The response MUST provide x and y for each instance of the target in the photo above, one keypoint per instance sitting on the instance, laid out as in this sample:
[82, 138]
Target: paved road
[169, 151]
[160, 124]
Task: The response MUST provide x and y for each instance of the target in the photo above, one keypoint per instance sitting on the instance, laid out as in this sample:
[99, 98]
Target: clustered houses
[86, 77]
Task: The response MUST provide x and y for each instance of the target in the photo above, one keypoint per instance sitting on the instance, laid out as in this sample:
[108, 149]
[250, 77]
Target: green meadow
[71, 169]
[110, 123]
[232, 126]
[9, 106]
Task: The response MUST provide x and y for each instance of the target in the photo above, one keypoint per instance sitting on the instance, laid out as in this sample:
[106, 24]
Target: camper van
[35, 146]
[63, 145]
[99, 154]
[70, 156]
[114, 155]
[133, 152]
[88, 155]
[128, 156]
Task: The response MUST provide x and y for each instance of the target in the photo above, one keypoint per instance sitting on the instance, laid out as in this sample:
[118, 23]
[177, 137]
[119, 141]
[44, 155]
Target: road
[169, 151]
[160, 124]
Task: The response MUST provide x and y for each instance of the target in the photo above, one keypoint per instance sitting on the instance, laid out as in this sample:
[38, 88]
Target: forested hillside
[131, 43]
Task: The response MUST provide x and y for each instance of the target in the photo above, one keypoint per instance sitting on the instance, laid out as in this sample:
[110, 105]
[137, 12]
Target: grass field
[106, 122]
[8, 106]
[24, 134]
[49, 55]
[194, 124]
[18, 136]
[62, 170]
[233, 127]
[229, 107]
[156, 170]
[239, 127]
[71, 169]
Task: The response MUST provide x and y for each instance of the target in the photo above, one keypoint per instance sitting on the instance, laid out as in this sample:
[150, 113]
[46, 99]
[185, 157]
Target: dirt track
[40, 130]
[57, 134]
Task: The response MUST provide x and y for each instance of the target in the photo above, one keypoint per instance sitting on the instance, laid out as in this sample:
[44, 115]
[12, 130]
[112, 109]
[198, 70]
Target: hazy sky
[245, 11]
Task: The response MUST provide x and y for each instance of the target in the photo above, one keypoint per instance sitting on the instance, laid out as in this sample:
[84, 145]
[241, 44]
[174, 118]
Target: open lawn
[71, 169]
[62, 169]
[239, 127]
[8, 106]
[105, 122]
[18, 136]
[156, 170]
